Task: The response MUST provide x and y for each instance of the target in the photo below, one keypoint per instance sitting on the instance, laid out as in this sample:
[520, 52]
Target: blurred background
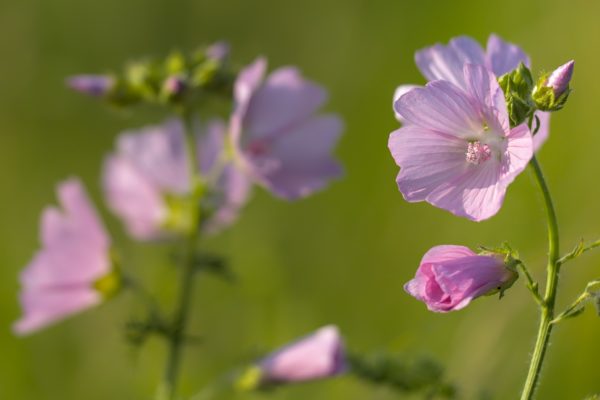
[341, 256]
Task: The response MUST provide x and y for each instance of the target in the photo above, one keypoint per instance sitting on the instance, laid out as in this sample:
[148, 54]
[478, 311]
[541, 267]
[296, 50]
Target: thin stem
[531, 284]
[545, 326]
[168, 387]
[578, 251]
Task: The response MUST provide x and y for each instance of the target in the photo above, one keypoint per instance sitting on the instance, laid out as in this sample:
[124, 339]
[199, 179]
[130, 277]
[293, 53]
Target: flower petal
[483, 86]
[399, 92]
[519, 151]
[543, 131]
[427, 159]
[440, 106]
[503, 57]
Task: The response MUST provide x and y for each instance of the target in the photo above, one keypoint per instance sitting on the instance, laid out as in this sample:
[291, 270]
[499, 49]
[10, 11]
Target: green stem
[545, 326]
[168, 387]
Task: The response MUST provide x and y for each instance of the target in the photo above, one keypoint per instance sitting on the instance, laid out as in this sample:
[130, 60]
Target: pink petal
[440, 106]
[42, 308]
[399, 92]
[285, 99]
[444, 253]
[503, 57]
[543, 131]
[133, 198]
[158, 152]
[519, 151]
[483, 86]
[446, 62]
[299, 162]
[427, 159]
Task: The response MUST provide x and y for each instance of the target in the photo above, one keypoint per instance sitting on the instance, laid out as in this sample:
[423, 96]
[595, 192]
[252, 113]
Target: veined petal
[519, 151]
[442, 107]
[427, 159]
[483, 86]
[443, 253]
[446, 62]
[477, 194]
[503, 57]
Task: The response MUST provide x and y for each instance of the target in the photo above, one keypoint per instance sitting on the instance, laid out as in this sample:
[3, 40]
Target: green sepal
[545, 98]
[517, 86]
[110, 284]
[250, 379]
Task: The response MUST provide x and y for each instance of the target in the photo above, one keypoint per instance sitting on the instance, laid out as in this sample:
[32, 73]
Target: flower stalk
[168, 387]
[549, 299]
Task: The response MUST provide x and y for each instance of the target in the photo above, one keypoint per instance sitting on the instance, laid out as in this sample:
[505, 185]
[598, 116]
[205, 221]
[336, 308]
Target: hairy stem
[547, 308]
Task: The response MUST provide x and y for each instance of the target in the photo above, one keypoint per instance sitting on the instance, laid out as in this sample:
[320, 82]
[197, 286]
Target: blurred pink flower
[278, 139]
[456, 150]
[65, 276]
[446, 62]
[317, 356]
[148, 185]
[450, 277]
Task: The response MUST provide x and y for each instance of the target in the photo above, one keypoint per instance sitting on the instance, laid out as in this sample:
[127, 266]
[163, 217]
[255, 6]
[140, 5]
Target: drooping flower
[317, 356]
[446, 62]
[450, 277]
[147, 181]
[73, 270]
[277, 138]
[93, 85]
[456, 149]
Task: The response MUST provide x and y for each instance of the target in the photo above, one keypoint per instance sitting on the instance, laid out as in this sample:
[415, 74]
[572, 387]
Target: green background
[341, 256]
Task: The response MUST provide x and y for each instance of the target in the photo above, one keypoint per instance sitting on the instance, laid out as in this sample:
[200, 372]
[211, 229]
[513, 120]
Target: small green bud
[552, 90]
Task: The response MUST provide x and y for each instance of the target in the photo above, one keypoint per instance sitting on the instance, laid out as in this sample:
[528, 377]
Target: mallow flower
[148, 184]
[456, 149]
[446, 62]
[450, 277]
[317, 356]
[73, 270]
[277, 138]
[92, 85]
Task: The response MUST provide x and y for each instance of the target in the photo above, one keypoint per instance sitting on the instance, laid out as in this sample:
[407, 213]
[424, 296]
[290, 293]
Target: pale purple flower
[278, 139]
[456, 149]
[218, 51]
[450, 277]
[147, 181]
[446, 62]
[62, 277]
[93, 85]
[316, 356]
[560, 78]
[149, 165]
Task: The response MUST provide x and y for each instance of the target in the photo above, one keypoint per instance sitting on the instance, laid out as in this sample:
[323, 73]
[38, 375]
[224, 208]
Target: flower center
[478, 152]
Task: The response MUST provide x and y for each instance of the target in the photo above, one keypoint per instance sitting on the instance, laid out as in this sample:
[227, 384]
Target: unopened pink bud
[561, 77]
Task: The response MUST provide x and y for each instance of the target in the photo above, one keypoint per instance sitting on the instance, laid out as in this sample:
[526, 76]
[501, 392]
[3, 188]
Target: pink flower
[277, 138]
[560, 78]
[317, 356]
[450, 277]
[440, 62]
[456, 150]
[148, 184]
[71, 271]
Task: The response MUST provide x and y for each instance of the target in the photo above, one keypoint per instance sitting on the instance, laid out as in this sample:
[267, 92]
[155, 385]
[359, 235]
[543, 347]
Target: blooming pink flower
[278, 140]
[450, 277]
[456, 149]
[440, 62]
[319, 355]
[147, 182]
[63, 277]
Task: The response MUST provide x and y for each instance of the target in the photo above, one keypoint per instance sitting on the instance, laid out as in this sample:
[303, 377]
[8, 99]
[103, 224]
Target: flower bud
[93, 85]
[317, 356]
[551, 91]
[174, 87]
[450, 277]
